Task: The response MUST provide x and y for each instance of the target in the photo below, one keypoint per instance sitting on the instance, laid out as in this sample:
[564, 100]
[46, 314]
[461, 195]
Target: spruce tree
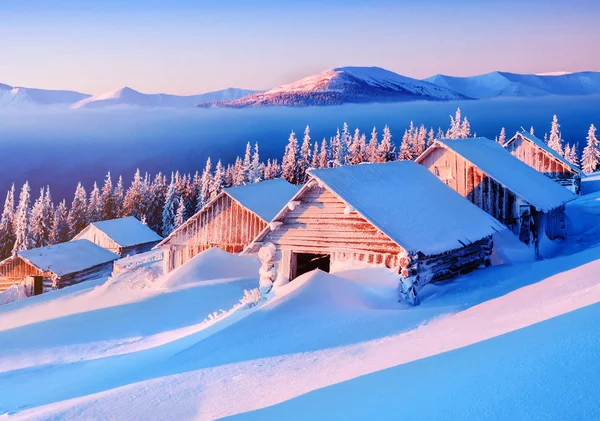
[247, 163]
[7, 231]
[158, 192]
[169, 212]
[289, 164]
[206, 182]
[555, 141]
[119, 195]
[39, 232]
[218, 181]
[78, 215]
[304, 157]
[590, 160]
[108, 204]
[387, 150]
[60, 224]
[95, 205]
[256, 168]
[502, 137]
[21, 221]
[314, 163]
[405, 148]
[324, 156]
[133, 202]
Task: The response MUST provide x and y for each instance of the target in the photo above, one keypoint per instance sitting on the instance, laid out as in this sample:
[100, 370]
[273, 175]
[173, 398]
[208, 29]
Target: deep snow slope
[26, 98]
[130, 97]
[504, 84]
[345, 85]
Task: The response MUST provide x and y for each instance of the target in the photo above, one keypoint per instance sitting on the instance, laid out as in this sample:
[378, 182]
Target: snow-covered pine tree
[218, 181]
[60, 224]
[304, 157]
[465, 129]
[119, 195]
[108, 203]
[180, 216]
[238, 175]
[590, 160]
[289, 164]
[256, 168]
[440, 133]
[555, 141]
[419, 142]
[339, 150]
[357, 148]
[314, 162]
[386, 150]
[455, 129]
[204, 195]
[21, 221]
[154, 208]
[133, 202]
[502, 137]
[574, 154]
[229, 175]
[7, 234]
[531, 131]
[372, 147]
[48, 215]
[346, 137]
[169, 212]
[246, 164]
[405, 148]
[94, 205]
[430, 138]
[38, 231]
[324, 154]
[194, 192]
[78, 215]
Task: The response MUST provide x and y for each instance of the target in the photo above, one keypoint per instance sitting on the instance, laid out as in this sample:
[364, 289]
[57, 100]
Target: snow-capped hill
[130, 97]
[345, 85]
[505, 84]
[19, 97]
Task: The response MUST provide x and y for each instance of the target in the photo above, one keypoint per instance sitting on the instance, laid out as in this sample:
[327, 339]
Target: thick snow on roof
[511, 172]
[410, 205]
[544, 146]
[266, 198]
[70, 257]
[127, 231]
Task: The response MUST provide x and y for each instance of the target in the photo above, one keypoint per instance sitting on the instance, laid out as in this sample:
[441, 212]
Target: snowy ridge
[505, 84]
[129, 97]
[19, 97]
[346, 85]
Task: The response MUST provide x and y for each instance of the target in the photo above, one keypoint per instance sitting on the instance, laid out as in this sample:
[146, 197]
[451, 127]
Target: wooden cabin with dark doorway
[230, 221]
[394, 214]
[59, 265]
[539, 156]
[526, 201]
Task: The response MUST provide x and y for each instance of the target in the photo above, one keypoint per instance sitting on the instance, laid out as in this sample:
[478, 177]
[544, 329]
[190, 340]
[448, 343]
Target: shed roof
[541, 144]
[265, 198]
[410, 205]
[70, 257]
[511, 172]
[127, 232]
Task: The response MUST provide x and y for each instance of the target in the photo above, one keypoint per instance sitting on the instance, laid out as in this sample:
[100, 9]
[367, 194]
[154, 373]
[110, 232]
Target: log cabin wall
[224, 224]
[136, 249]
[99, 238]
[52, 281]
[320, 224]
[544, 162]
[15, 270]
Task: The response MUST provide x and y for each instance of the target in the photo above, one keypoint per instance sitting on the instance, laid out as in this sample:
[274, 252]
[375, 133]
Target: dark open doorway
[305, 262]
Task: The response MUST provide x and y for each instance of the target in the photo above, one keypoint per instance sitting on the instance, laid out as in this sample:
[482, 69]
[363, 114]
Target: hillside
[345, 85]
[504, 84]
[519, 338]
[130, 97]
[19, 97]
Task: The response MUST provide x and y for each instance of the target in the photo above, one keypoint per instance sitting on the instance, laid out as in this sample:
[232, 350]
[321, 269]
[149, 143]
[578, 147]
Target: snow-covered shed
[395, 214]
[230, 221]
[481, 170]
[59, 265]
[123, 236]
[538, 155]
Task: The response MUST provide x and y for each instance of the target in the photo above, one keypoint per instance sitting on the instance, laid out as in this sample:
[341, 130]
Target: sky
[189, 47]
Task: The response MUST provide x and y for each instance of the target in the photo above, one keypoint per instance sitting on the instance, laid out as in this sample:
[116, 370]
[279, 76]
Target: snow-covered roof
[511, 172]
[127, 231]
[410, 205]
[265, 198]
[70, 257]
[540, 143]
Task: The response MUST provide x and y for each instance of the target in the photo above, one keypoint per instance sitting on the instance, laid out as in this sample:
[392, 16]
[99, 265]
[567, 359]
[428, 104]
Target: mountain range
[342, 85]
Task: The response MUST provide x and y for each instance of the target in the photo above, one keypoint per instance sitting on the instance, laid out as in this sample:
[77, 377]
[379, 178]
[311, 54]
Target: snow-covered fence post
[267, 272]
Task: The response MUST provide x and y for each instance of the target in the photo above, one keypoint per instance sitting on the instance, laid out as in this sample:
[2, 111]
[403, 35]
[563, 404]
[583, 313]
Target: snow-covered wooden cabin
[523, 199]
[123, 236]
[59, 265]
[538, 155]
[395, 214]
[230, 221]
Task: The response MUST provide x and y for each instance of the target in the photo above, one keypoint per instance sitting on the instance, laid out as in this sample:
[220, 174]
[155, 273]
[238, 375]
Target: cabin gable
[99, 237]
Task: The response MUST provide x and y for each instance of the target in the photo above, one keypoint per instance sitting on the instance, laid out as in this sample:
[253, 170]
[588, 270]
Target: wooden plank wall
[319, 225]
[15, 270]
[100, 238]
[103, 270]
[137, 249]
[224, 224]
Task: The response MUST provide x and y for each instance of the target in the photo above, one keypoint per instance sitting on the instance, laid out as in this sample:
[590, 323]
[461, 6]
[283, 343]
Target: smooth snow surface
[127, 231]
[65, 258]
[540, 143]
[130, 97]
[491, 158]
[404, 200]
[590, 183]
[504, 84]
[266, 198]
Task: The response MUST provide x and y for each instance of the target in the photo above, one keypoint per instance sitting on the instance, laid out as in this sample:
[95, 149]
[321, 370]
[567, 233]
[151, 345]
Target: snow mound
[213, 264]
[15, 292]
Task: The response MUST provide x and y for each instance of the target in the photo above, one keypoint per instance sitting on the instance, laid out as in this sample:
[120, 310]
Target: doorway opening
[305, 262]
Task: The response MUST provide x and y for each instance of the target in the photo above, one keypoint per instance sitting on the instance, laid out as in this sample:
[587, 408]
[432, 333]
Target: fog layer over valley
[60, 148]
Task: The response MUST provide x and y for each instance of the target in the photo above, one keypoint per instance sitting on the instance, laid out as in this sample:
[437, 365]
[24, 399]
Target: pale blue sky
[187, 47]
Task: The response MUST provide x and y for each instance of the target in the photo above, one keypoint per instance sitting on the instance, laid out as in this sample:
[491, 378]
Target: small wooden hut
[481, 170]
[59, 265]
[539, 156]
[395, 214]
[123, 236]
[230, 221]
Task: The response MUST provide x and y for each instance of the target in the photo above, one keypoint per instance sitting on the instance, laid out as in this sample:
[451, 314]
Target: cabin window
[444, 172]
[305, 262]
